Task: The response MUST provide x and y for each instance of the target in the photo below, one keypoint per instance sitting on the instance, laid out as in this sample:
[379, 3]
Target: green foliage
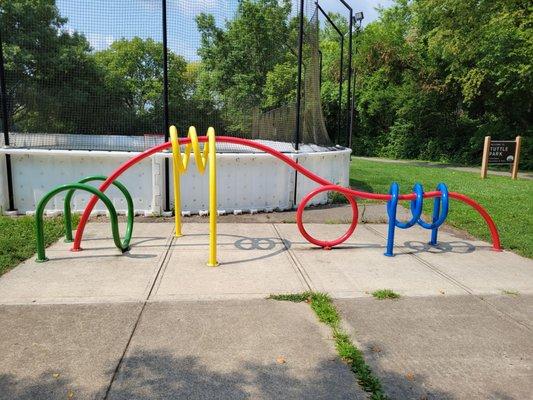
[293, 297]
[383, 294]
[50, 74]
[435, 76]
[134, 72]
[326, 312]
[337, 198]
[17, 238]
[280, 85]
[240, 57]
[348, 352]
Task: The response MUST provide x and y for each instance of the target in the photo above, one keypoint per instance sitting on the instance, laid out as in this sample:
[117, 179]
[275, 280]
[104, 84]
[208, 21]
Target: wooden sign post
[501, 152]
[485, 159]
[514, 171]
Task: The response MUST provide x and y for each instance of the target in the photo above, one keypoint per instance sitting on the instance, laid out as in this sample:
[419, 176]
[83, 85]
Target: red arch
[289, 161]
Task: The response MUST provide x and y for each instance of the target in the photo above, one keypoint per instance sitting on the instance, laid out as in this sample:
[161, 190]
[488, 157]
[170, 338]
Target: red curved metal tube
[289, 161]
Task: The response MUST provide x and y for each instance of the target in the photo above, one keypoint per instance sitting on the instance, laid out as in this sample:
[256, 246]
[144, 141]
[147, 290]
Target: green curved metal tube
[39, 219]
[68, 200]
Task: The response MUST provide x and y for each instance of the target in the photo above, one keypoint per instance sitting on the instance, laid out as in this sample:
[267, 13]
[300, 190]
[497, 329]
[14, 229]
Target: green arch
[39, 220]
[68, 199]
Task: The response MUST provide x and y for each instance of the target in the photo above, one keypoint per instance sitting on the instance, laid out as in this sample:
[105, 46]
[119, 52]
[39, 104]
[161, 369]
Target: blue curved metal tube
[416, 207]
[440, 213]
[392, 208]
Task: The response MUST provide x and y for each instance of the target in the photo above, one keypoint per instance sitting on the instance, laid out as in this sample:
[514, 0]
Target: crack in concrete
[296, 263]
[459, 284]
[139, 316]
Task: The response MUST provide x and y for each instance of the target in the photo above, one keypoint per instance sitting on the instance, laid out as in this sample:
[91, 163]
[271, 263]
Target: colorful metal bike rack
[123, 246]
[440, 212]
[206, 155]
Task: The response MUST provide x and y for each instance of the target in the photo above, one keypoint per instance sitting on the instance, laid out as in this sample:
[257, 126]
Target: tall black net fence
[88, 74]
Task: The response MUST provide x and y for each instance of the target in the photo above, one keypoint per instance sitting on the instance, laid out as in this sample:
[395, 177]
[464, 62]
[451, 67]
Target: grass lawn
[510, 203]
[17, 238]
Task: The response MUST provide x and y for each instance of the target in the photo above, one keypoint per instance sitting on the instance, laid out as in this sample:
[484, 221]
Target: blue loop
[392, 204]
[416, 208]
[440, 209]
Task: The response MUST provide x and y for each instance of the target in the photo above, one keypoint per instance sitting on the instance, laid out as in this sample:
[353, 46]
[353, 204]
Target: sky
[103, 21]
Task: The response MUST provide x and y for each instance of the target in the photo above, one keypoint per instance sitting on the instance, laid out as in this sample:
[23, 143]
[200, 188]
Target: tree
[49, 72]
[240, 56]
[134, 71]
[435, 76]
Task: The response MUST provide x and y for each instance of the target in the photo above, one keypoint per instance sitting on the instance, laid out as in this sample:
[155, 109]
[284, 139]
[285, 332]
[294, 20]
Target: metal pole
[5, 126]
[339, 111]
[299, 93]
[165, 104]
[350, 71]
[299, 88]
[352, 105]
[320, 67]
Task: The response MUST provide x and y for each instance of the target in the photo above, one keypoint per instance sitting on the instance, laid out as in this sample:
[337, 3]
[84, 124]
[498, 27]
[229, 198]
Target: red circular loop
[326, 243]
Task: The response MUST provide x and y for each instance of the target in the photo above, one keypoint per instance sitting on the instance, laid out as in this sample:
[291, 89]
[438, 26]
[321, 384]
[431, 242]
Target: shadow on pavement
[44, 387]
[158, 375]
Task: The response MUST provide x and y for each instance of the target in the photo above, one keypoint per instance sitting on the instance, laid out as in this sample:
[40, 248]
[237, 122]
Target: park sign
[501, 152]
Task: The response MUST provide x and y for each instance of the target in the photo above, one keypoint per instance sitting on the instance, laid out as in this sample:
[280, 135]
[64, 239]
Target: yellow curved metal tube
[180, 162]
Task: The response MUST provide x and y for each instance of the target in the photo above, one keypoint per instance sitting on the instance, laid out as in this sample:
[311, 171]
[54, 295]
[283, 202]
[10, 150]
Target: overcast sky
[103, 21]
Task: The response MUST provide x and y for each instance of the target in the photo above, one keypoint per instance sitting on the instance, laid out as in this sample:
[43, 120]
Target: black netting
[88, 74]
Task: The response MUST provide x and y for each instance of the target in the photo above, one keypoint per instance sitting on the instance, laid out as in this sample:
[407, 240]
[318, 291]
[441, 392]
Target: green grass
[17, 238]
[508, 202]
[512, 293]
[327, 313]
[337, 198]
[383, 294]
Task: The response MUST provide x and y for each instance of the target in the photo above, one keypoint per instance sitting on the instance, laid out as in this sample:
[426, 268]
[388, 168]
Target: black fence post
[166, 120]
[321, 62]
[299, 93]
[300, 71]
[350, 72]
[5, 127]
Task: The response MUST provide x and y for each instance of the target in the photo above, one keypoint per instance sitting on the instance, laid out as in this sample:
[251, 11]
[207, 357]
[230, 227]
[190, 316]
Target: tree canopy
[239, 57]
[435, 76]
[432, 77]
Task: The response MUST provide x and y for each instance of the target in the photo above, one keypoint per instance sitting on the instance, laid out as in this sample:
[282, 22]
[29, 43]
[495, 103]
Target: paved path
[157, 323]
[418, 163]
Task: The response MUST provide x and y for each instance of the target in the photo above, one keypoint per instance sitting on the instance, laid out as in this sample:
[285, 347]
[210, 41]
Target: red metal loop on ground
[325, 243]
[349, 193]
[496, 245]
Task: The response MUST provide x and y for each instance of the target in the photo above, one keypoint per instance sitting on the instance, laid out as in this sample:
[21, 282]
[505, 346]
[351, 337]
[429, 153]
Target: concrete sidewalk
[259, 259]
[175, 350]
[156, 322]
[453, 347]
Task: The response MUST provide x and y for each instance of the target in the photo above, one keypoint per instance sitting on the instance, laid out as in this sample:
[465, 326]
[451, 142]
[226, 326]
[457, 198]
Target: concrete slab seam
[161, 270]
[138, 320]
[300, 270]
[455, 282]
[432, 267]
[469, 291]
[160, 262]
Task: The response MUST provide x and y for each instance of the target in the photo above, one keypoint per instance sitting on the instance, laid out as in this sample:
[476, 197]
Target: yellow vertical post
[176, 171]
[212, 157]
